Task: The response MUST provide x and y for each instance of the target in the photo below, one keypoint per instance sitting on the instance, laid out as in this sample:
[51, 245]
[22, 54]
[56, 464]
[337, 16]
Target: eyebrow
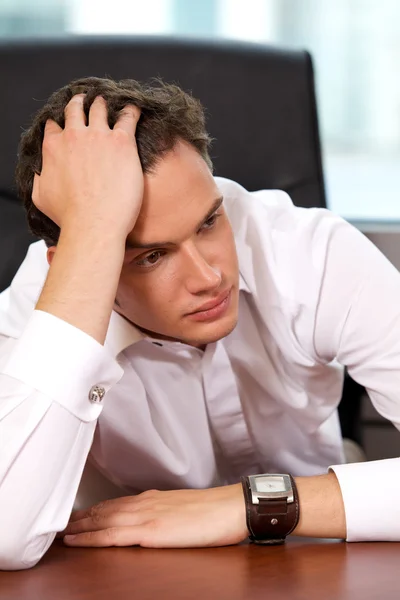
[136, 246]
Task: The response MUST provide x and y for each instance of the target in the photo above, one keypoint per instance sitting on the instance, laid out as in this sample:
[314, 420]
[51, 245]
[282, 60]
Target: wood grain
[299, 570]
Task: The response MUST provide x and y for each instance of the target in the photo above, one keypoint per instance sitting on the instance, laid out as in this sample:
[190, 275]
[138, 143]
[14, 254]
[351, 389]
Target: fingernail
[69, 538]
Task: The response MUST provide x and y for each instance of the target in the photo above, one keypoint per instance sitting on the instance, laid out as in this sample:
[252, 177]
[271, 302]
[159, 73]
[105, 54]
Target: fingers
[106, 507]
[98, 117]
[114, 536]
[117, 519]
[128, 119]
[51, 128]
[98, 114]
[74, 113]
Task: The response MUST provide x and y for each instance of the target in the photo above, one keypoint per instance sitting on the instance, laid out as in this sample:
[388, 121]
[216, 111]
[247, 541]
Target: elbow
[17, 555]
[13, 562]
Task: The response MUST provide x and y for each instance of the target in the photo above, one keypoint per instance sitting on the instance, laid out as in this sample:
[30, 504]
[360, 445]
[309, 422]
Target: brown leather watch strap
[270, 521]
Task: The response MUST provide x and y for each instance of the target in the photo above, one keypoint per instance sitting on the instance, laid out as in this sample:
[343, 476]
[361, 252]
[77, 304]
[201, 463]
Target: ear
[50, 253]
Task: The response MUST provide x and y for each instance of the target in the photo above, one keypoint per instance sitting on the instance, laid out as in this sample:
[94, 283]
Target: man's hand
[91, 186]
[91, 174]
[154, 519]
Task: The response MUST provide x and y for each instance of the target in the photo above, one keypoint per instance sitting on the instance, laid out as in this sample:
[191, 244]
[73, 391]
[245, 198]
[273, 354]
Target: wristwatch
[272, 507]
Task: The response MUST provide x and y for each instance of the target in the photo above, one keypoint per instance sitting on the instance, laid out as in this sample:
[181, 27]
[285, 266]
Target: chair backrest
[260, 105]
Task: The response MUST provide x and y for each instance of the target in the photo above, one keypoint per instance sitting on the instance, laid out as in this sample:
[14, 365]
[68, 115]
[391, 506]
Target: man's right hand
[91, 174]
[91, 186]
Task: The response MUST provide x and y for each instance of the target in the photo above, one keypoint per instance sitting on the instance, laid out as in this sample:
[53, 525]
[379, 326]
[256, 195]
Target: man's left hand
[156, 519]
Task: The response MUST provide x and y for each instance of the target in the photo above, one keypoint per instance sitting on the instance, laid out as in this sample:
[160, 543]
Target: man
[187, 334]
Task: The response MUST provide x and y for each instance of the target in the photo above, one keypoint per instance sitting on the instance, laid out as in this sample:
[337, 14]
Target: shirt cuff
[64, 363]
[371, 492]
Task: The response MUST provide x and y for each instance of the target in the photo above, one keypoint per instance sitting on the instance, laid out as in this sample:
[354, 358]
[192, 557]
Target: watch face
[272, 483]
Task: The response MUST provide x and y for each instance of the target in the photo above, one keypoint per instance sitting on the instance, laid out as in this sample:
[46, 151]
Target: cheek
[229, 246]
[145, 294]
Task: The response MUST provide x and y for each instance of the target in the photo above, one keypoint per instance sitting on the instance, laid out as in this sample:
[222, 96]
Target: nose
[200, 275]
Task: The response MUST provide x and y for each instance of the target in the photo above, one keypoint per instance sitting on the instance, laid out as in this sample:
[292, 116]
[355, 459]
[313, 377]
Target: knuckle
[96, 518]
[111, 535]
[149, 494]
[72, 135]
[150, 534]
[154, 524]
[89, 536]
[48, 142]
[95, 512]
[98, 136]
[121, 137]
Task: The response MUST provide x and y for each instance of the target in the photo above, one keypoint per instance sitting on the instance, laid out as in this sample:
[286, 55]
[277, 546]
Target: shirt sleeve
[357, 322]
[47, 423]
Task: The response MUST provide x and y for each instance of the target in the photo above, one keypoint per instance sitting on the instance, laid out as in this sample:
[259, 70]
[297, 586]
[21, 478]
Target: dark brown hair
[168, 114]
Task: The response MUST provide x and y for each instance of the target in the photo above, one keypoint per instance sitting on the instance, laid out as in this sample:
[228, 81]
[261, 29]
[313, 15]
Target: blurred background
[355, 45]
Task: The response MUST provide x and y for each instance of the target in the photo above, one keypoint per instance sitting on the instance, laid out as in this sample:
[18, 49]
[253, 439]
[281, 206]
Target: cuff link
[96, 394]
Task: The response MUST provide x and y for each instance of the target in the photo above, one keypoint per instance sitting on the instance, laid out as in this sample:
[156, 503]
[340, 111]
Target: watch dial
[270, 484]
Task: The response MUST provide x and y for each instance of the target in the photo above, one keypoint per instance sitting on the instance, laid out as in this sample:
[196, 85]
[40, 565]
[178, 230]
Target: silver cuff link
[96, 394]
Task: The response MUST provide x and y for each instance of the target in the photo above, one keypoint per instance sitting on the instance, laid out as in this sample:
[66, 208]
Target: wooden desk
[302, 569]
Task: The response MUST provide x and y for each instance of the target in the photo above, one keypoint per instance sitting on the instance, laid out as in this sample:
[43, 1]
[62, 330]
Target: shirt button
[96, 394]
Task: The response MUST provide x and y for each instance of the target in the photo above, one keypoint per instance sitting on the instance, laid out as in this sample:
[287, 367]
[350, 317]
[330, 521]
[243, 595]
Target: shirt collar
[243, 287]
[121, 333]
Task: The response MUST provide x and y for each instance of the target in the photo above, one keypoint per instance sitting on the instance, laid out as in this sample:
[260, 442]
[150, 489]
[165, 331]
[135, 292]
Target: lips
[212, 303]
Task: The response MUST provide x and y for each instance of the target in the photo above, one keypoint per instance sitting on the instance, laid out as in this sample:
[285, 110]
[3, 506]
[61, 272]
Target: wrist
[322, 511]
[83, 278]
[272, 507]
[83, 232]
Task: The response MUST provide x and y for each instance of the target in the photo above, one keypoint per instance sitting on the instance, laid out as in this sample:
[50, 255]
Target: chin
[212, 332]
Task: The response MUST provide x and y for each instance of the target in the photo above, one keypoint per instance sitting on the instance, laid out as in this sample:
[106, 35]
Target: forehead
[177, 195]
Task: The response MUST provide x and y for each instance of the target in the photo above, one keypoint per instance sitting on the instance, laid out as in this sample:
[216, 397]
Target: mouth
[213, 309]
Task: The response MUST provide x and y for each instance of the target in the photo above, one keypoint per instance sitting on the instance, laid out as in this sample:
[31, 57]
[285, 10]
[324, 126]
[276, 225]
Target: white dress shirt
[315, 294]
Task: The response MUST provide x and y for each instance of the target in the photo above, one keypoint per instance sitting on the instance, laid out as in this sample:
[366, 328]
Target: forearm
[46, 429]
[200, 518]
[42, 470]
[83, 279]
[91, 186]
[322, 511]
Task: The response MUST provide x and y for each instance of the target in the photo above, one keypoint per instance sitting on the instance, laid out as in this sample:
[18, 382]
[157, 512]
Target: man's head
[180, 255]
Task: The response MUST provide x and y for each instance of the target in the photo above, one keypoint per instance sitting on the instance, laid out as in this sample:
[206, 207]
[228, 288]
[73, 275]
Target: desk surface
[301, 569]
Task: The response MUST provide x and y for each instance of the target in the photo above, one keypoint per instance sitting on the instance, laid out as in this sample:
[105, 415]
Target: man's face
[181, 257]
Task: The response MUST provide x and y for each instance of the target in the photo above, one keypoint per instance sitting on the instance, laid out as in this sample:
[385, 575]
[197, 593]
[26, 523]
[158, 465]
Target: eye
[209, 224]
[150, 259]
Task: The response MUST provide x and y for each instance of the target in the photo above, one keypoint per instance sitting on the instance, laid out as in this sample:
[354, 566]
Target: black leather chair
[260, 106]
